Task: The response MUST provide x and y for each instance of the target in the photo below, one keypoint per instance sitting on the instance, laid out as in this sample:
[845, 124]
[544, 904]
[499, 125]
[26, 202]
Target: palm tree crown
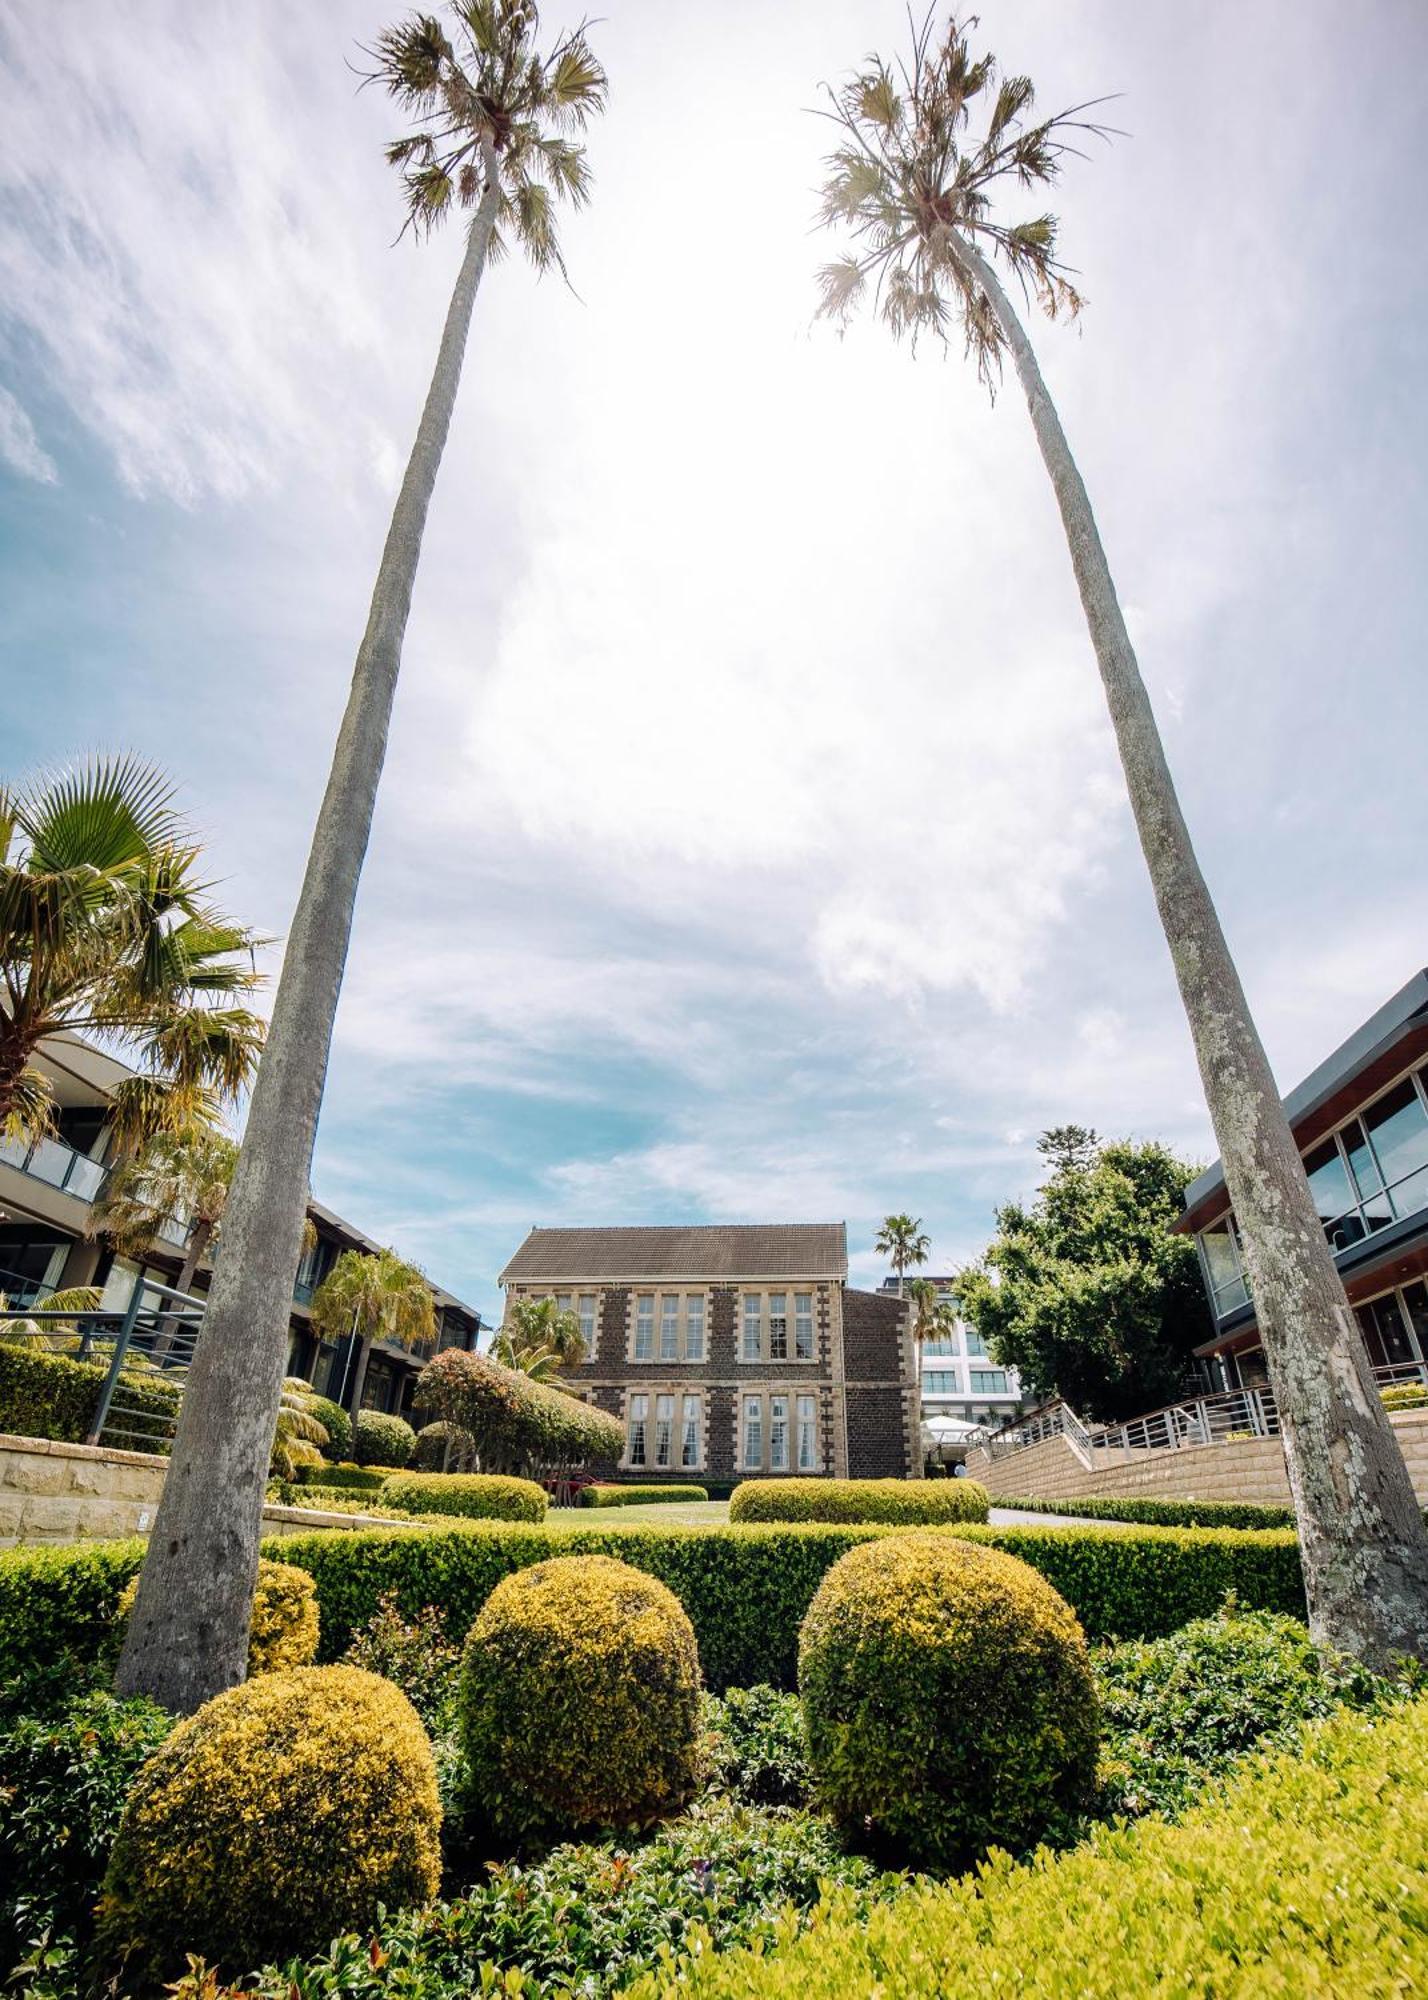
[179, 1175]
[932, 1316]
[105, 929]
[491, 102]
[379, 1298]
[901, 1239]
[907, 178]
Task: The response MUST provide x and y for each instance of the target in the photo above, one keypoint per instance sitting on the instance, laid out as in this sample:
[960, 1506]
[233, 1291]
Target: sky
[751, 844]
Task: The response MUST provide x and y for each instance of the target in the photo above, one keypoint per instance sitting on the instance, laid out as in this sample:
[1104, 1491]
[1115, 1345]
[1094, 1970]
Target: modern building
[732, 1351]
[47, 1195]
[1361, 1125]
[959, 1380]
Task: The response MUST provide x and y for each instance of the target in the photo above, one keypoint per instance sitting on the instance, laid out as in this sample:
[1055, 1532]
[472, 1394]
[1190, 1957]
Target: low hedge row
[477, 1496]
[54, 1396]
[639, 1496]
[897, 1503]
[746, 1589]
[350, 1478]
[1162, 1513]
[1292, 1878]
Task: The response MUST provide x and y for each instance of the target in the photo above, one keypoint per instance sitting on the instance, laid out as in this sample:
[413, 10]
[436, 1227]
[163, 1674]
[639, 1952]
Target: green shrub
[380, 1440]
[580, 1699]
[586, 1919]
[1178, 1708]
[1162, 1513]
[948, 1700]
[1405, 1396]
[284, 1630]
[63, 1782]
[756, 1747]
[349, 1478]
[1301, 1877]
[480, 1496]
[746, 1589]
[336, 1422]
[415, 1654]
[515, 1424]
[285, 1810]
[54, 1396]
[440, 1447]
[638, 1496]
[901, 1503]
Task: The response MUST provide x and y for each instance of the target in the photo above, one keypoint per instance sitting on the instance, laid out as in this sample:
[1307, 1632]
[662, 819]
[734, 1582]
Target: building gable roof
[720, 1250]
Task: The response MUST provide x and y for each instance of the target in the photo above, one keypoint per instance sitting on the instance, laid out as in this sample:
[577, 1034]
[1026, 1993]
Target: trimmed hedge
[515, 1424]
[284, 1628]
[638, 1496]
[348, 1477]
[336, 1422]
[54, 1396]
[379, 1439]
[1162, 1513]
[898, 1503]
[1405, 1396]
[479, 1496]
[746, 1589]
[1301, 1875]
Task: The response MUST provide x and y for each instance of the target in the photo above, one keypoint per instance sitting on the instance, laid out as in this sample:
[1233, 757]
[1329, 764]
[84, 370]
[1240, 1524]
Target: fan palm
[178, 1175]
[106, 930]
[538, 1327]
[914, 188]
[371, 1298]
[901, 1241]
[497, 124]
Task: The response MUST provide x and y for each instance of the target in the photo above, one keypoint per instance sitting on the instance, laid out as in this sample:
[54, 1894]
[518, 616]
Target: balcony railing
[1229, 1418]
[57, 1165]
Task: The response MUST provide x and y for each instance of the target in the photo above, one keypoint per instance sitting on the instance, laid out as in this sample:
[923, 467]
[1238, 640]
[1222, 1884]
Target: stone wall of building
[53, 1492]
[1250, 1471]
[881, 1392]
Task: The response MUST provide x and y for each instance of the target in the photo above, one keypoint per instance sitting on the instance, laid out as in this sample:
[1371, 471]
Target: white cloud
[20, 449]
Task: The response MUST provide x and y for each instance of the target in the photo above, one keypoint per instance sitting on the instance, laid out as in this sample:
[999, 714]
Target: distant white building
[958, 1380]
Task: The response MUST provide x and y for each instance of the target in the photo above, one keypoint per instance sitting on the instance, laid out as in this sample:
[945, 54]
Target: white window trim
[657, 1358]
[678, 1394]
[791, 1394]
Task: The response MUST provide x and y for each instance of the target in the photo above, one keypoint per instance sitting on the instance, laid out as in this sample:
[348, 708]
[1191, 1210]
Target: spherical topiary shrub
[580, 1699]
[284, 1632]
[378, 1439]
[947, 1698]
[336, 1422]
[282, 1813]
[480, 1496]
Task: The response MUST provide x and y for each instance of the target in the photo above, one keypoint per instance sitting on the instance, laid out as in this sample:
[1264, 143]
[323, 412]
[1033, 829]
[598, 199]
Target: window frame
[792, 1319]
[658, 1320]
[687, 1406]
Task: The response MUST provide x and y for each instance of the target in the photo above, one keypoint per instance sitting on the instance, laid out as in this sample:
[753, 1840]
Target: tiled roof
[739, 1250]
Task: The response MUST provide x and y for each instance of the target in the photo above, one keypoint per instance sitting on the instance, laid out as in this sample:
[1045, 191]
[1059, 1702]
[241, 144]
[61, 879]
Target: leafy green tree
[915, 189]
[1086, 1292]
[497, 128]
[901, 1241]
[106, 930]
[368, 1298]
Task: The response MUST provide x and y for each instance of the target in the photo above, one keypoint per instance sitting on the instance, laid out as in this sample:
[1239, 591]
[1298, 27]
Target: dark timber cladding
[733, 1351]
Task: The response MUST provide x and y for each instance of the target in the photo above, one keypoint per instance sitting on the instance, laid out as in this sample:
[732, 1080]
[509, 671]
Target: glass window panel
[689, 1452]
[1398, 1129]
[562, 1302]
[989, 1382]
[1377, 1208]
[940, 1382]
[664, 1430]
[1334, 1195]
[778, 1433]
[753, 1431]
[1222, 1261]
[753, 1327]
[1386, 1332]
[976, 1346]
[587, 1320]
[943, 1344]
[639, 1413]
[807, 1432]
[694, 1327]
[644, 1328]
[669, 1327]
[803, 1325]
[778, 1326]
[1415, 1298]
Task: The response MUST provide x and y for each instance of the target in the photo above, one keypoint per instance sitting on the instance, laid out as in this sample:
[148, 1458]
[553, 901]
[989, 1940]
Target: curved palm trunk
[199, 1238]
[188, 1636]
[1365, 1551]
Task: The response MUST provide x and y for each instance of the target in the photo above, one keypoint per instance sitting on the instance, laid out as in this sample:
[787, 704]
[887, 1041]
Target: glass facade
[1370, 1172]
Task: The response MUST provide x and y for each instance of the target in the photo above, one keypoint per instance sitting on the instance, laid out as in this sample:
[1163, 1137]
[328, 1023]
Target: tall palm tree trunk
[359, 1378]
[1362, 1538]
[188, 1636]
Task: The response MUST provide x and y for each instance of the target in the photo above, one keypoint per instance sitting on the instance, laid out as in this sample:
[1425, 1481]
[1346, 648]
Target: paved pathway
[1016, 1517]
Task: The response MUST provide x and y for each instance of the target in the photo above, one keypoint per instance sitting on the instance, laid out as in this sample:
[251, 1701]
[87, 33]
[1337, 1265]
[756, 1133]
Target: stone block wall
[52, 1492]
[1251, 1471]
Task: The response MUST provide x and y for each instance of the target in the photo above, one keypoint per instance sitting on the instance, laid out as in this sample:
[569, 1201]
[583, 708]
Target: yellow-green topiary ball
[284, 1631]
[580, 1699]
[284, 1812]
[947, 1699]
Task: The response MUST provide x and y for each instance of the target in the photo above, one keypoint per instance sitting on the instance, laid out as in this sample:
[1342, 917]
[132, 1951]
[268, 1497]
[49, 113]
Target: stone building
[729, 1352]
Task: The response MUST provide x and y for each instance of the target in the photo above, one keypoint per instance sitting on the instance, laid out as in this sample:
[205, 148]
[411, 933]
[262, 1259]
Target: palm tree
[105, 930]
[535, 1328]
[497, 124]
[298, 1435]
[365, 1298]
[178, 1175]
[914, 189]
[902, 1240]
[932, 1317]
